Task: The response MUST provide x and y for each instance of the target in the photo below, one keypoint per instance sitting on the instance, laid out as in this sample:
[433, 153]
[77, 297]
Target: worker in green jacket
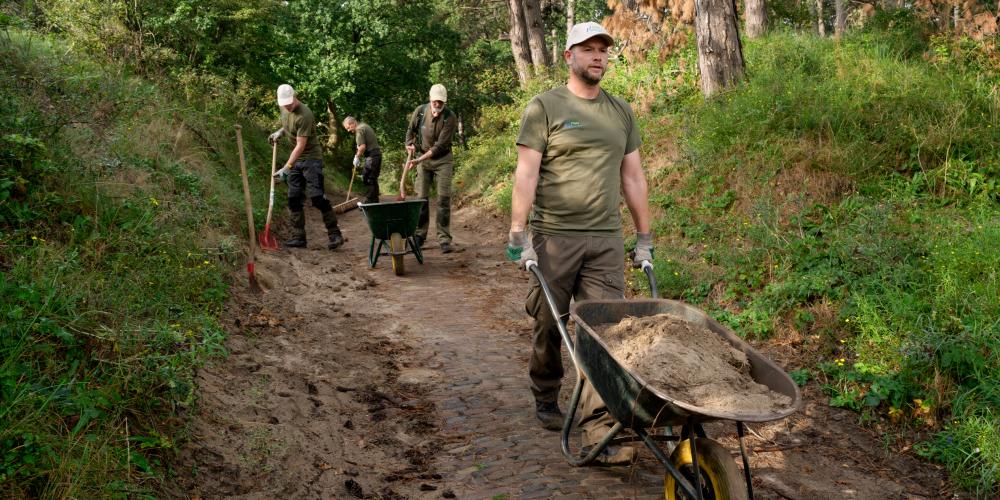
[428, 138]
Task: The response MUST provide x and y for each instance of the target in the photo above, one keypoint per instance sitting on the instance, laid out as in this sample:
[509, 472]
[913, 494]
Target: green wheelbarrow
[393, 226]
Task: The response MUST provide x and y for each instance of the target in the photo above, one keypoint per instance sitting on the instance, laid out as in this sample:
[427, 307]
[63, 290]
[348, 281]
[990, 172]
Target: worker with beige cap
[577, 155]
[428, 137]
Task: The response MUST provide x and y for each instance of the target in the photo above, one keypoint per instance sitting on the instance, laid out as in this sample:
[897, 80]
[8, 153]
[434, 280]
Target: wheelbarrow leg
[372, 257]
[746, 462]
[694, 457]
[416, 249]
[658, 453]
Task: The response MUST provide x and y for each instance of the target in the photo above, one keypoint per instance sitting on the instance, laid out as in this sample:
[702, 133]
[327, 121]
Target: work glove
[282, 175]
[520, 249]
[356, 162]
[273, 138]
[643, 249]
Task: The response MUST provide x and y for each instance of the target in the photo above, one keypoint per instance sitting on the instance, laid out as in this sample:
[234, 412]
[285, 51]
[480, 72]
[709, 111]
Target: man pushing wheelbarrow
[590, 142]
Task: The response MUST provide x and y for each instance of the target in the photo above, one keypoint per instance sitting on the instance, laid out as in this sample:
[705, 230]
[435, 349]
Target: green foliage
[879, 115]
[107, 300]
[859, 179]
[899, 32]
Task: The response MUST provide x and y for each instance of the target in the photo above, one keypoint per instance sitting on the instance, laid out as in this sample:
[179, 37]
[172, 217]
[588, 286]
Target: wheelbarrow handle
[647, 267]
[532, 267]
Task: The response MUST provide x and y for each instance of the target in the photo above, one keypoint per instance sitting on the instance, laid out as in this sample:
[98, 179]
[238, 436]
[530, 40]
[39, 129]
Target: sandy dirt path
[345, 381]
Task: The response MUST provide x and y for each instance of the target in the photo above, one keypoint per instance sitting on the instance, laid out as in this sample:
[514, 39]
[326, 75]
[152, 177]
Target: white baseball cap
[582, 32]
[286, 94]
[439, 93]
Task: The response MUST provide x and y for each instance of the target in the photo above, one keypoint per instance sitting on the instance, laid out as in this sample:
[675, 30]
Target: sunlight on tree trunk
[570, 15]
[840, 18]
[756, 16]
[820, 25]
[720, 53]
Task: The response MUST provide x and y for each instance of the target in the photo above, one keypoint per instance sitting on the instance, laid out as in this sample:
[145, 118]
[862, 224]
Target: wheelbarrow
[648, 412]
[393, 226]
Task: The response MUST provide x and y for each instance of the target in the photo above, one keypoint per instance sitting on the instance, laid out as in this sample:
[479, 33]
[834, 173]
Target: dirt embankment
[349, 382]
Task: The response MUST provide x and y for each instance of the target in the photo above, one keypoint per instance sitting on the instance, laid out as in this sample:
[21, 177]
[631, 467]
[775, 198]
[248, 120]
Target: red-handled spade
[267, 239]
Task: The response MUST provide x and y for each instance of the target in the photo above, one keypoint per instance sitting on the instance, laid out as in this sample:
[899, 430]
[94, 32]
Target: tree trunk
[720, 53]
[571, 15]
[536, 35]
[555, 46]
[519, 42]
[840, 18]
[820, 25]
[756, 12]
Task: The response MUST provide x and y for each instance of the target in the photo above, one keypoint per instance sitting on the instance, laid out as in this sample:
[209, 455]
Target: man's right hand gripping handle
[520, 249]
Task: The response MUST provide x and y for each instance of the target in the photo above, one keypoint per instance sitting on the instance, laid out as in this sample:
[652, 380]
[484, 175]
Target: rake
[349, 203]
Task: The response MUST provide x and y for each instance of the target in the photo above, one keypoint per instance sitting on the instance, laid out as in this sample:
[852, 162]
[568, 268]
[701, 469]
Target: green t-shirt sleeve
[534, 132]
[359, 137]
[304, 126]
[634, 139]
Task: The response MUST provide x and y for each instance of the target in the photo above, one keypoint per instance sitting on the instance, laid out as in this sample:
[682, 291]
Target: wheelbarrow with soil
[648, 412]
[393, 226]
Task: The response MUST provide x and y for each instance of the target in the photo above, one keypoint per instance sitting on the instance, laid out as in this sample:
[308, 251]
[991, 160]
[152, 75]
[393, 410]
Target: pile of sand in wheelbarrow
[690, 363]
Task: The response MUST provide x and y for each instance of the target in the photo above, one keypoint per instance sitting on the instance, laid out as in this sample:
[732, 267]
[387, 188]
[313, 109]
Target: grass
[120, 211]
[845, 200]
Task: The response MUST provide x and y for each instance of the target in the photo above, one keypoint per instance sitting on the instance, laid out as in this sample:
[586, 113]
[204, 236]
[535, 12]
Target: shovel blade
[267, 240]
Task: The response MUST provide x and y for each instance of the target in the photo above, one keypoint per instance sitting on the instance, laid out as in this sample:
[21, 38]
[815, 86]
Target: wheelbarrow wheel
[720, 478]
[397, 248]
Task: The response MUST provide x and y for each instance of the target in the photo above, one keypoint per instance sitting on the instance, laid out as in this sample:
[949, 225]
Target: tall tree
[756, 13]
[820, 25]
[570, 14]
[720, 53]
[519, 41]
[840, 18]
[536, 35]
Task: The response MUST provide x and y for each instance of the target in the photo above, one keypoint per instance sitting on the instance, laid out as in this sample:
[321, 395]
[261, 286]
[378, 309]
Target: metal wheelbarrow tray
[393, 226]
[649, 412]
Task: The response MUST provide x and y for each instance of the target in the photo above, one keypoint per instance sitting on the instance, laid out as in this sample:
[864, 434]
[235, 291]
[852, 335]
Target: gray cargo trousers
[579, 268]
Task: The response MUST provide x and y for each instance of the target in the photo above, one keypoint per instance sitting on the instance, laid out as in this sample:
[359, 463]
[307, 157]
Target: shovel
[267, 240]
[402, 178]
[254, 286]
[348, 204]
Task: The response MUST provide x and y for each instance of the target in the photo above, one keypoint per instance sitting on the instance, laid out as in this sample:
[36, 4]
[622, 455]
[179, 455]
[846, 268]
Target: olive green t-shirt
[365, 135]
[301, 123]
[583, 143]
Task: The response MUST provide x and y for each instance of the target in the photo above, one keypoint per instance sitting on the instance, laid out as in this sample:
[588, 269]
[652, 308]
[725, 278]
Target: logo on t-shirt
[571, 124]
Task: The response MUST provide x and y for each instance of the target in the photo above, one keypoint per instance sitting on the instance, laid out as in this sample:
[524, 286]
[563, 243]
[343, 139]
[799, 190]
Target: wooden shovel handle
[246, 192]
[270, 196]
[402, 177]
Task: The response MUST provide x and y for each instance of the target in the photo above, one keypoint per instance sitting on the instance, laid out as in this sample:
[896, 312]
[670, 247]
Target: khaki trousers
[578, 268]
[441, 169]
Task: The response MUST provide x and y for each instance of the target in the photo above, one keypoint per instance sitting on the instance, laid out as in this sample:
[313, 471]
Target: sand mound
[690, 363]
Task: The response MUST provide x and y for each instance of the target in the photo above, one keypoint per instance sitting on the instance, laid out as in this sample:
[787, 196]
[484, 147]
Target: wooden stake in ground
[254, 286]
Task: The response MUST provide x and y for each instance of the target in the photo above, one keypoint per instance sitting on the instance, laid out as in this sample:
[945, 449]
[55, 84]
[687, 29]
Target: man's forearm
[525, 183]
[636, 191]
[294, 155]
